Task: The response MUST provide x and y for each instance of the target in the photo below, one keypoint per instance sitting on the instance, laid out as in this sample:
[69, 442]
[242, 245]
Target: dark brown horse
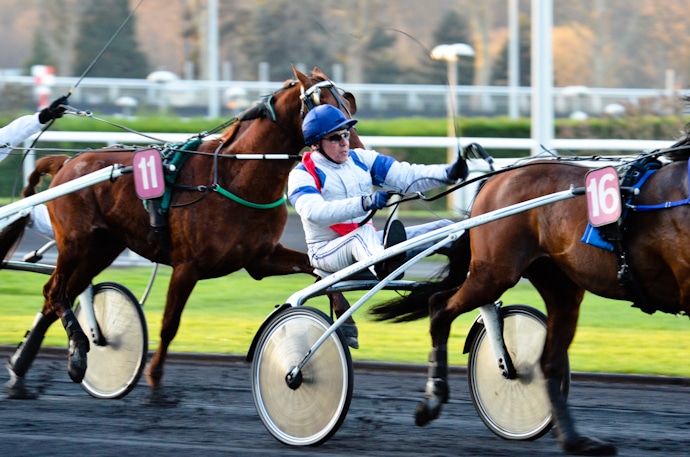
[206, 235]
[543, 245]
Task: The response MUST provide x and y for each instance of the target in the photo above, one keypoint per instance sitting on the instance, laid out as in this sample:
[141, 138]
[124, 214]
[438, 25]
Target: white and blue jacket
[337, 196]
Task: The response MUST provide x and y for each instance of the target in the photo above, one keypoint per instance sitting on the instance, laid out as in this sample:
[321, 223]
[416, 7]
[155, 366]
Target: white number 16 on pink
[603, 196]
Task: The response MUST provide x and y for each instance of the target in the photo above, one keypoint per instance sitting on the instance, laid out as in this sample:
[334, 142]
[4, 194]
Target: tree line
[598, 43]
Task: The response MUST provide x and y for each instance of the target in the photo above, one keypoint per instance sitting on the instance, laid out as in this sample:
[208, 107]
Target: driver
[19, 130]
[332, 190]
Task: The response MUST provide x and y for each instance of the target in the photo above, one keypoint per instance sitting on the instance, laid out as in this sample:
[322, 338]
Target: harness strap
[226, 193]
[660, 205]
[343, 228]
[244, 202]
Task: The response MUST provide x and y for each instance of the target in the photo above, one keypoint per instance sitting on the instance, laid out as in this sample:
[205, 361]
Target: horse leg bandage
[437, 384]
[26, 352]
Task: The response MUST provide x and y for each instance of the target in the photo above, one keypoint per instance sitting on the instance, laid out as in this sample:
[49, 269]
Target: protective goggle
[336, 137]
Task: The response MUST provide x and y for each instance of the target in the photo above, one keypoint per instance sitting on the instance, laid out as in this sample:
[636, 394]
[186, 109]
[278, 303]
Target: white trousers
[362, 243]
[40, 221]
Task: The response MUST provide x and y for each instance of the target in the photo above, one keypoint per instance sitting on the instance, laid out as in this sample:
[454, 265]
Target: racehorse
[224, 214]
[650, 268]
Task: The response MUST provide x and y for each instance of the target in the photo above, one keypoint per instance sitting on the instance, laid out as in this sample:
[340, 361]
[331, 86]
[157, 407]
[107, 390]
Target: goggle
[335, 138]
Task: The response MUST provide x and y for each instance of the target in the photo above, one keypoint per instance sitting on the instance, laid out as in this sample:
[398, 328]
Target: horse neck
[262, 137]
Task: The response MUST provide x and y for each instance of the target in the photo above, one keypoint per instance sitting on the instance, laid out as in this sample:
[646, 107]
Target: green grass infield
[223, 315]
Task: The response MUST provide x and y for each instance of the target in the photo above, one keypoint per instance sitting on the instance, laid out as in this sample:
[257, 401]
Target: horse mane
[680, 150]
[230, 133]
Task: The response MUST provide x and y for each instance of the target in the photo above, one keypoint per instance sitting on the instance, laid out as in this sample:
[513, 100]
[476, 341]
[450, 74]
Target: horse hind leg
[482, 286]
[57, 300]
[20, 362]
[339, 306]
[437, 391]
[562, 298]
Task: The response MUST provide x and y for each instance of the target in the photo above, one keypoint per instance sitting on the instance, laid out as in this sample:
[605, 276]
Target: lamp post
[451, 53]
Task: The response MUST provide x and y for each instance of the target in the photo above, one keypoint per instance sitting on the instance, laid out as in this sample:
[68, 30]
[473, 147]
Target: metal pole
[213, 96]
[513, 58]
[451, 112]
[542, 75]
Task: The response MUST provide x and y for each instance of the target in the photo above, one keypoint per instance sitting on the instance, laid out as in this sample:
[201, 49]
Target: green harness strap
[244, 202]
[178, 156]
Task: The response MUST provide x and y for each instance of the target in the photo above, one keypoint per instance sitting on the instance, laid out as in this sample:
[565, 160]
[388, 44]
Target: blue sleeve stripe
[358, 161]
[297, 193]
[379, 171]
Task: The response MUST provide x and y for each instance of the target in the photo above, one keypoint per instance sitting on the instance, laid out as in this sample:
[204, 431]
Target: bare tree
[59, 20]
[481, 18]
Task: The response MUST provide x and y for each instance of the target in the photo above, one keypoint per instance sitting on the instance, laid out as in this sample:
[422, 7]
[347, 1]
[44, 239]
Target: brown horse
[543, 245]
[206, 235]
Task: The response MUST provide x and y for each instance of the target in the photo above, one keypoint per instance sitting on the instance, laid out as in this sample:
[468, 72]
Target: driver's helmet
[323, 120]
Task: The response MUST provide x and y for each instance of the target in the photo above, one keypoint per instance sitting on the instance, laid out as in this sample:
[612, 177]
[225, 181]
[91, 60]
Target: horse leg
[437, 391]
[279, 261]
[482, 286]
[182, 282]
[340, 305]
[562, 298]
[21, 360]
[57, 299]
[284, 261]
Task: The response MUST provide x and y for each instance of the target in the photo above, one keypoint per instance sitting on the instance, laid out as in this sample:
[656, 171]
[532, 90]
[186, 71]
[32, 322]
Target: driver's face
[336, 145]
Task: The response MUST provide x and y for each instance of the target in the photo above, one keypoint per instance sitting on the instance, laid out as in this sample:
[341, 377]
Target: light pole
[451, 53]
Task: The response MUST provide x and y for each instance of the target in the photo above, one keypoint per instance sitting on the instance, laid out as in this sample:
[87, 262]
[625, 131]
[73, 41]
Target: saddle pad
[593, 235]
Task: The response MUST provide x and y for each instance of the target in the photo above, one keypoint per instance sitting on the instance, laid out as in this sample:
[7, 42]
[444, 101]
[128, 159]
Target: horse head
[287, 106]
[319, 89]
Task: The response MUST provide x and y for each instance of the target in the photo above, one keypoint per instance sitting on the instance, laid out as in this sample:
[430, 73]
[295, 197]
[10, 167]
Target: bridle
[311, 97]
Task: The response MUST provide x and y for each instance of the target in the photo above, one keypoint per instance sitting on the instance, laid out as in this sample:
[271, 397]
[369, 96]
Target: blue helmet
[323, 120]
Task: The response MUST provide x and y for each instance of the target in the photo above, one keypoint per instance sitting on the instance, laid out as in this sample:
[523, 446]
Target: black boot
[394, 235]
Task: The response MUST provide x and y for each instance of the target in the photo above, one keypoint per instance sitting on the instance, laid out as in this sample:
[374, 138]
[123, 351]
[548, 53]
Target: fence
[194, 97]
[98, 139]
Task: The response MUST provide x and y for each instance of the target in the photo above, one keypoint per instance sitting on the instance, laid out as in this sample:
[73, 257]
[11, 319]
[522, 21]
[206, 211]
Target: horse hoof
[76, 365]
[351, 334]
[154, 378]
[18, 391]
[159, 398]
[427, 410]
[584, 445]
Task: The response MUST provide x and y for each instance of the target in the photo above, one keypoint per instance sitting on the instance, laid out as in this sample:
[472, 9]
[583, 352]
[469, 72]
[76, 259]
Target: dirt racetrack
[210, 412]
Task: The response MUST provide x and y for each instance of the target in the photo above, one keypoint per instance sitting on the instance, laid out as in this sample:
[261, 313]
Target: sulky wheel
[514, 409]
[307, 410]
[114, 368]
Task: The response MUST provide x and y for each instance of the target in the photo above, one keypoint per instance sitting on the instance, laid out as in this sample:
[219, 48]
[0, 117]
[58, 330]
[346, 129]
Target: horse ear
[303, 79]
[351, 100]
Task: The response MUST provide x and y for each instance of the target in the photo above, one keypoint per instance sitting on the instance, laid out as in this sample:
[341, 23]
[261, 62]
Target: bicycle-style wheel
[514, 409]
[113, 369]
[312, 411]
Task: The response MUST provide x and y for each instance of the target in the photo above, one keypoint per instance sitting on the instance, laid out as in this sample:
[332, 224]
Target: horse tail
[11, 236]
[415, 305]
[48, 165]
